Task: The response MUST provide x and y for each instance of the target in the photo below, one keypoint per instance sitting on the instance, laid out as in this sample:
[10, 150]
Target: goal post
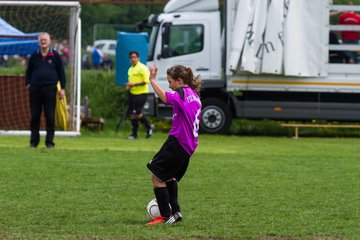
[20, 23]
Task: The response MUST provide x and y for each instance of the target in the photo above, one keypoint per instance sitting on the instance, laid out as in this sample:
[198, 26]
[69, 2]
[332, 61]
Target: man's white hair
[43, 33]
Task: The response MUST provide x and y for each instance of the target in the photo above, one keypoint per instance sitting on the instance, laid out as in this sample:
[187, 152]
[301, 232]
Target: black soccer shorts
[136, 103]
[170, 162]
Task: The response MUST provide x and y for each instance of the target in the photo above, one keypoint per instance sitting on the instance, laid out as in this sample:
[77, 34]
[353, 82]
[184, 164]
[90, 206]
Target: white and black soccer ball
[152, 209]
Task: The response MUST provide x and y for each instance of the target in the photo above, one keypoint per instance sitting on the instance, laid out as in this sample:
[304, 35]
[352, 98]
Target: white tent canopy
[288, 37]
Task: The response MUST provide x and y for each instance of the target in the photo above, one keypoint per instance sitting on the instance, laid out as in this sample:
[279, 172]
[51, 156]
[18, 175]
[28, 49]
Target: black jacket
[42, 71]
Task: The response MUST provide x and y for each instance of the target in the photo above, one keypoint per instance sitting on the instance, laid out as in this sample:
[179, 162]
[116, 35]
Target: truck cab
[189, 33]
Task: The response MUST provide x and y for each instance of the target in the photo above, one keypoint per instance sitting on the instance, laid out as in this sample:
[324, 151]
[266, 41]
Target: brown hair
[186, 74]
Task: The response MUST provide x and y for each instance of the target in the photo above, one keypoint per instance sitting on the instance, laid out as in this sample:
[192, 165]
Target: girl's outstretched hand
[153, 72]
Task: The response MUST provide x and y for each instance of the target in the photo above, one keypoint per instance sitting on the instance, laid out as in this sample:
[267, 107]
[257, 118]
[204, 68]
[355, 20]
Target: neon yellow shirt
[137, 74]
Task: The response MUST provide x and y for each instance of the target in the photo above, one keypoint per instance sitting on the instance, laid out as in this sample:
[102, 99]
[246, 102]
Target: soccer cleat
[132, 137]
[177, 217]
[149, 132]
[156, 220]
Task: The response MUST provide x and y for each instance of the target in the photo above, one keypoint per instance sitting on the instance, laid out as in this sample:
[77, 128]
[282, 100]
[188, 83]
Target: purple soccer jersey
[186, 117]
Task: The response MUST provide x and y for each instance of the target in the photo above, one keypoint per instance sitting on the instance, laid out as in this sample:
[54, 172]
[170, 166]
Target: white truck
[261, 59]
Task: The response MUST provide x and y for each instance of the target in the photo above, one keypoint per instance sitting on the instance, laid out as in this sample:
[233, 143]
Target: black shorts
[170, 162]
[136, 103]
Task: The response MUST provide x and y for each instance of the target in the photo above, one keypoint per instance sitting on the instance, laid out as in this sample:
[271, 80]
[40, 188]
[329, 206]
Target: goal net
[20, 24]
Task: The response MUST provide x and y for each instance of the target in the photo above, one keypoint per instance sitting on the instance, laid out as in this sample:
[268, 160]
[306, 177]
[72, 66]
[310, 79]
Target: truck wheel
[215, 117]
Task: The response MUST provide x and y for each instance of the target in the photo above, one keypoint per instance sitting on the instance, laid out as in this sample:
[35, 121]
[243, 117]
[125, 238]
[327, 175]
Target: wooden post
[296, 132]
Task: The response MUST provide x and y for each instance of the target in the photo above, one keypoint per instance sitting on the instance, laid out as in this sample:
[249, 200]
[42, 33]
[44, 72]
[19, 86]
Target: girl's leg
[172, 187]
[162, 197]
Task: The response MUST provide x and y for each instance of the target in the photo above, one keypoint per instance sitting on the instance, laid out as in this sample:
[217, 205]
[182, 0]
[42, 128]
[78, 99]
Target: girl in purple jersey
[169, 165]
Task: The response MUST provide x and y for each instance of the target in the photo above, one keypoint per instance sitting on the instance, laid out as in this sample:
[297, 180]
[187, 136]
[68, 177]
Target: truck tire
[215, 117]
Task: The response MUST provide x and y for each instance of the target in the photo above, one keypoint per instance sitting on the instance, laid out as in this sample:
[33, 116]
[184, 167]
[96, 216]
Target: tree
[112, 14]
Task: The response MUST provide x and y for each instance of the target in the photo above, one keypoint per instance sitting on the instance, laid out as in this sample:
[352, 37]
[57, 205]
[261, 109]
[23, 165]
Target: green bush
[105, 98]
[258, 128]
[273, 128]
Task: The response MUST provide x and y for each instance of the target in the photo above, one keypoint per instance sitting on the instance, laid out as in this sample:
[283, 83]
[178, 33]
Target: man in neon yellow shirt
[138, 87]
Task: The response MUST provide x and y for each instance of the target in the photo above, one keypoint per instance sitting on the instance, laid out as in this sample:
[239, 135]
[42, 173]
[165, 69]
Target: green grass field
[97, 187]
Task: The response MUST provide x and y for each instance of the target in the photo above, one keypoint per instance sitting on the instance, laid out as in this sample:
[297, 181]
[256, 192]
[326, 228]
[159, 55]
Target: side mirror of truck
[166, 33]
[166, 52]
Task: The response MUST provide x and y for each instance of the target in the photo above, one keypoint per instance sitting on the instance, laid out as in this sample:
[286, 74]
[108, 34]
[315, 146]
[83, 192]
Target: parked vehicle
[270, 59]
[106, 46]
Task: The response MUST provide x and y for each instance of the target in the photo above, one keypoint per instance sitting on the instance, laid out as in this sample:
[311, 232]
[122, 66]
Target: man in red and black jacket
[45, 69]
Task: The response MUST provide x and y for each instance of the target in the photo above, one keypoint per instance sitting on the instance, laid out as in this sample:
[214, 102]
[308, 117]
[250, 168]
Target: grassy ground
[97, 187]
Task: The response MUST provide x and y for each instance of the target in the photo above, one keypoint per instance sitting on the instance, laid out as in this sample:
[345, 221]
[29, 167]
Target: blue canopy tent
[15, 42]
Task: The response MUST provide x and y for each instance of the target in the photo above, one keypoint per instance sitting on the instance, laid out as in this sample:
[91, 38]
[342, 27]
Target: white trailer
[263, 59]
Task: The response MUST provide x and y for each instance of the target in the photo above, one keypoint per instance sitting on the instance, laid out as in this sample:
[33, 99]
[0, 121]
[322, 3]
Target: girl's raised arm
[159, 91]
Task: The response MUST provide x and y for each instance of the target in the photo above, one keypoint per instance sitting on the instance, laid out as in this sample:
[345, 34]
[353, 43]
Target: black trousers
[136, 103]
[42, 97]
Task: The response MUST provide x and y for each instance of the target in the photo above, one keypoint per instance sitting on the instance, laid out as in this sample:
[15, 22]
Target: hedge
[105, 98]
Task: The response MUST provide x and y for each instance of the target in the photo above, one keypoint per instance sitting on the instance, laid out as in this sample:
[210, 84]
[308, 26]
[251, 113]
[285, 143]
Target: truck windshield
[152, 42]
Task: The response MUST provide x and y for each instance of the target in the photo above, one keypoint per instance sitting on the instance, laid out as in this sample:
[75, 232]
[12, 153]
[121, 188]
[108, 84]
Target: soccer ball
[152, 209]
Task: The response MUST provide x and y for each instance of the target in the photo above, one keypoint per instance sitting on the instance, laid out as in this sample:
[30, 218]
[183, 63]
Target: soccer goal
[20, 23]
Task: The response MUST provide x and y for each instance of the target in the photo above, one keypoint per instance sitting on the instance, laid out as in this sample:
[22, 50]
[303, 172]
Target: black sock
[172, 187]
[144, 121]
[162, 197]
[135, 125]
